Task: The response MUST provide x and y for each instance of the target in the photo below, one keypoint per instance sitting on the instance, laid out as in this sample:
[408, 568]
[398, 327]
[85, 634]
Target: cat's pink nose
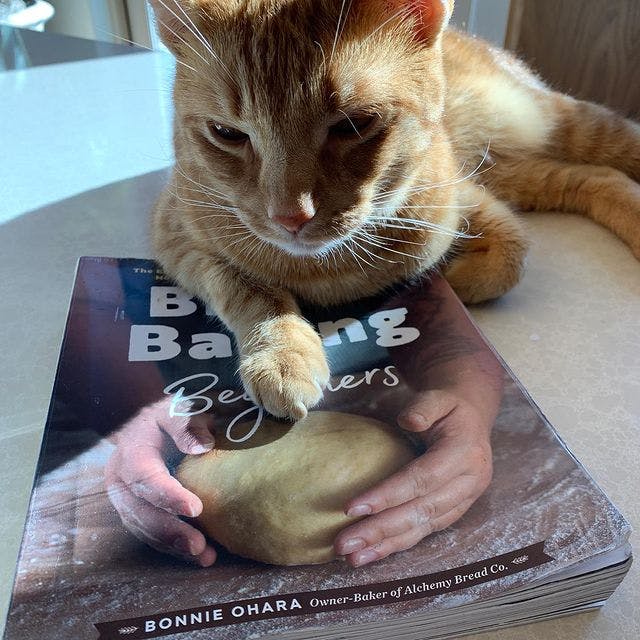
[294, 220]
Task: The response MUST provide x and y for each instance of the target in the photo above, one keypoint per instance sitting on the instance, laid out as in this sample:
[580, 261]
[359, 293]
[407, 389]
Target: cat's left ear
[430, 16]
[176, 22]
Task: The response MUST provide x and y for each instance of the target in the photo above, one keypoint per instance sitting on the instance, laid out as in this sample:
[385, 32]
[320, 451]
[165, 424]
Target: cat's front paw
[283, 366]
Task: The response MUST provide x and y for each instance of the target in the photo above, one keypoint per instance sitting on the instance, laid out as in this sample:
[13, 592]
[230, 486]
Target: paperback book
[543, 540]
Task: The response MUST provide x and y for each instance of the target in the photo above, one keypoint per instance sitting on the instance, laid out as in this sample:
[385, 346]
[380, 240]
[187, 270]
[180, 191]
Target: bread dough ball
[279, 497]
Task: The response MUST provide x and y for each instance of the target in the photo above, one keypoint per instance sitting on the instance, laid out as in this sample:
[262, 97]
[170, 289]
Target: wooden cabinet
[588, 48]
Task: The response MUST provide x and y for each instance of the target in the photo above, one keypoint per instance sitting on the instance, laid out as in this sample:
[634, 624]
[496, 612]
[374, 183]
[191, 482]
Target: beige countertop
[570, 331]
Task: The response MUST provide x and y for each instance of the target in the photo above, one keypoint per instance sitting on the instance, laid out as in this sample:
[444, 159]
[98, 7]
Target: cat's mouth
[301, 247]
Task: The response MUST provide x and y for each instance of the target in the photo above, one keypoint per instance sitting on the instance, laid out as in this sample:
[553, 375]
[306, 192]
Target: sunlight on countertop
[67, 128]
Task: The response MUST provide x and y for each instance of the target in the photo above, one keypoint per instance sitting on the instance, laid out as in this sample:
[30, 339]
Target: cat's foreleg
[282, 362]
[488, 265]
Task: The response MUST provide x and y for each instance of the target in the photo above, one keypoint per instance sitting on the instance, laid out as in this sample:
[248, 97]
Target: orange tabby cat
[326, 149]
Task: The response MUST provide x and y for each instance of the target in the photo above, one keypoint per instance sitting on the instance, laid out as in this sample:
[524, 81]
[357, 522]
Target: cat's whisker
[224, 227]
[415, 225]
[196, 238]
[324, 57]
[235, 242]
[323, 258]
[380, 205]
[202, 204]
[437, 206]
[255, 248]
[142, 46]
[184, 41]
[331, 252]
[201, 188]
[426, 186]
[411, 224]
[200, 185]
[210, 197]
[357, 244]
[364, 236]
[193, 29]
[188, 66]
[385, 248]
[334, 254]
[215, 233]
[342, 19]
[366, 230]
[117, 37]
[409, 221]
[355, 256]
[351, 123]
[206, 204]
[196, 32]
[419, 186]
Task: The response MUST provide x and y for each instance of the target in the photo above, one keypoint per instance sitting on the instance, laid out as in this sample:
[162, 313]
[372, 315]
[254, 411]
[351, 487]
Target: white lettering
[210, 345]
[330, 331]
[182, 405]
[392, 380]
[328, 602]
[390, 334]
[170, 302]
[165, 623]
[256, 424]
[369, 596]
[351, 382]
[152, 342]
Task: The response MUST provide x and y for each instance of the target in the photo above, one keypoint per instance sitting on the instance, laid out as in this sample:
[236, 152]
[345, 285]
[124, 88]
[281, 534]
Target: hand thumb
[427, 409]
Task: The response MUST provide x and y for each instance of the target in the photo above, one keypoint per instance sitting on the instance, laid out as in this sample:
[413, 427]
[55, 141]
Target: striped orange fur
[326, 149]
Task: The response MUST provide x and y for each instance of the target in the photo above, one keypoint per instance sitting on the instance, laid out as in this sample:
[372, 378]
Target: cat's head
[305, 118]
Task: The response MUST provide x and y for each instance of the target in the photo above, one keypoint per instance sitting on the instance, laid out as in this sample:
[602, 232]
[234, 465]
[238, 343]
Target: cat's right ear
[176, 22]
[430, 16]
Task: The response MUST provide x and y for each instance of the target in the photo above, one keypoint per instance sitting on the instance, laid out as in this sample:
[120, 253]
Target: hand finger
[428, 408]
[405, 540]
[142, 469]
[418, 514]
[158, 529]
[438, 466]
[191, 434]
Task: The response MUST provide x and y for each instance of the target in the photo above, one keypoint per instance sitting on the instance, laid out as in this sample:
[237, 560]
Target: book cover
[134, 340]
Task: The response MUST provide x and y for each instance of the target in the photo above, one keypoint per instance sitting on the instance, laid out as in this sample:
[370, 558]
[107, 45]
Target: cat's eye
[227, 134]
[352, 126]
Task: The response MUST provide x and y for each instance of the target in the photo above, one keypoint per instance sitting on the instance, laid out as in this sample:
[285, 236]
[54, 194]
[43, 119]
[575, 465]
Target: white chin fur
[299, 250]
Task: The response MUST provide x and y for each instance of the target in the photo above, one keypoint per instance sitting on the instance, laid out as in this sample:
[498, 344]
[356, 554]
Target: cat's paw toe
[284, 368]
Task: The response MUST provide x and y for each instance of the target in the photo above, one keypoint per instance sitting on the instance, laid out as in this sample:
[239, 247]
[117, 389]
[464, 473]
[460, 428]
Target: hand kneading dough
[279, 497]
